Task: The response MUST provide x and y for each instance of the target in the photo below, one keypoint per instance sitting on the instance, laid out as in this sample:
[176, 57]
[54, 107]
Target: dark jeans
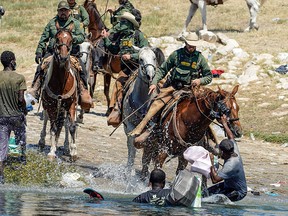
[8, 124]
[231, 194]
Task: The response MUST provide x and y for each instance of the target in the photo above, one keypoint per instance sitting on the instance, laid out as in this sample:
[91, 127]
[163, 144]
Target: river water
[54, 201]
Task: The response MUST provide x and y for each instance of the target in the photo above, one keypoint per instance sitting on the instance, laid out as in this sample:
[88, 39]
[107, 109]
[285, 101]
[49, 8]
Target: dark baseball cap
[63, 5]
[227, 145]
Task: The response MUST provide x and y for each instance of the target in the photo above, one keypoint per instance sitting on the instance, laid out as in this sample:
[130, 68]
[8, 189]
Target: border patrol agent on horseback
[127, 37]
[79, 13]
[125, 5]
[62, 20]
[188, 67]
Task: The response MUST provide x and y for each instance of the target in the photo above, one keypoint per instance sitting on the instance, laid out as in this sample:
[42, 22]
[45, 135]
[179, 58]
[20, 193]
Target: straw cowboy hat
[191, 39]
[130, 17]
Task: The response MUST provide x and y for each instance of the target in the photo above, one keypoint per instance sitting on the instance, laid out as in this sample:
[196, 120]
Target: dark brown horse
[111, 63]
[187, 123]
[59, 96]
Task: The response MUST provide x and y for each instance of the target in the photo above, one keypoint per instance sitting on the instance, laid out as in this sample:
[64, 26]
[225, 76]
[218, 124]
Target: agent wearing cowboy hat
[187, 66]
[129, 59]
[125, 6]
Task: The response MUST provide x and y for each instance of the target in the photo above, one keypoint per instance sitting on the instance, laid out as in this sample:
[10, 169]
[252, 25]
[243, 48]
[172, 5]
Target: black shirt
[157, 197]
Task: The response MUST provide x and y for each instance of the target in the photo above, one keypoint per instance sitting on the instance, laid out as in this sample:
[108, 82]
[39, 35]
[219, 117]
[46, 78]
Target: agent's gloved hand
[38, 58]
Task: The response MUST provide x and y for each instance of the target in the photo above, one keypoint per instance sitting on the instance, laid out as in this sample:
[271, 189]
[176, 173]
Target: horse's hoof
[66, 152]
[41, 147]
[51, 157]
[74, 158]
[79, 120]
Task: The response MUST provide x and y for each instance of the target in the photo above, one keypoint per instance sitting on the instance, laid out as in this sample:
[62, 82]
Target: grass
[37, 172]
[25, 20]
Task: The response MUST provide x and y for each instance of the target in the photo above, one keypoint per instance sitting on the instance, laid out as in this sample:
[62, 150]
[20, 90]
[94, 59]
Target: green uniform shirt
[127, 6]
[50, 31]
[185, 67]
[10, 85]
[80, 13]
[125, 41]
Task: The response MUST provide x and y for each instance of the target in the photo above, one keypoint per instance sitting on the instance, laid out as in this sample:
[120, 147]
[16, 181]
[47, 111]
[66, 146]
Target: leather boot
[85, 98]
[154, 108]
[2, 181]
[35, 89]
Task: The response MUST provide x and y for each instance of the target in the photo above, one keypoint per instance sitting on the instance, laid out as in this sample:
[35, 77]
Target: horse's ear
[221, 91]
[89, 36]
[136, 48]
[235, 90]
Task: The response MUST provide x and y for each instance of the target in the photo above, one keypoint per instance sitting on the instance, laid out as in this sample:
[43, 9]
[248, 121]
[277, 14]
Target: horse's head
[148, 62]
[63, 45]
[228, 105]
[85, 49]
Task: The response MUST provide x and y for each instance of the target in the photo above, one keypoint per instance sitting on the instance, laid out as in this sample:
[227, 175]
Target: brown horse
[111, 63]
[187, 123]
[59, 96]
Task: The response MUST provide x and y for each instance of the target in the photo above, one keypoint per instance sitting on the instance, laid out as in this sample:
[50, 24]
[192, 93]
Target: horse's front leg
[80, 116]
[107, 81]
[53, 140]
[131, 152]
[41, 142]
[72, 129]
[182, 163]
[202, 8]
[254, 7]
[191, 13]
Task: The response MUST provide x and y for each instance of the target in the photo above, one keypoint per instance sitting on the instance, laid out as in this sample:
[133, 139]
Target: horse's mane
[159, 55]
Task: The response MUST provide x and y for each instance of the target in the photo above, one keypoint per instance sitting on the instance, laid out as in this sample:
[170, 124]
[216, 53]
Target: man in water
[234, 184]
[158, 194]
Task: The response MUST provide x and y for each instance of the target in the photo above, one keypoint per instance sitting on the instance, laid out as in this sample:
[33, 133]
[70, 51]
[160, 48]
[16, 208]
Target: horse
[136, 98]
[85, 53]
[186, 124]
[253, 6]
[111, 63]
[59, 96]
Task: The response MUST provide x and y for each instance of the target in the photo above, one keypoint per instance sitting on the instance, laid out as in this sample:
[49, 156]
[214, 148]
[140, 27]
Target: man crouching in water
[234, 185]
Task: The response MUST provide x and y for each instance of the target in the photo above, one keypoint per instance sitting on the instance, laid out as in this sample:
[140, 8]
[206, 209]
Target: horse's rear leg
[41, 142]
[131, 153]
[146, 159]
[182, 163]
[107, 81]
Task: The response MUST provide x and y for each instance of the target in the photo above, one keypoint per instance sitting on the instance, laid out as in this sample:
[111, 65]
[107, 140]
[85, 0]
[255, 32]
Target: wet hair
[7, 57]
[157, 176]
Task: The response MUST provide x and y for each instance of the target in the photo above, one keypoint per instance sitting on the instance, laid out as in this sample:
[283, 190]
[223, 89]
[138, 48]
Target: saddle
[75, 63]
[178, 96]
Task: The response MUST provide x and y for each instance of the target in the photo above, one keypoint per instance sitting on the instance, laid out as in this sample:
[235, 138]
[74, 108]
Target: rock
[71, 180]
[283, 57]
[208, 36]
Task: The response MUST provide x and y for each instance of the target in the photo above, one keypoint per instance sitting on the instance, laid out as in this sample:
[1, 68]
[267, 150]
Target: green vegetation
[37, 172]
[275, 138]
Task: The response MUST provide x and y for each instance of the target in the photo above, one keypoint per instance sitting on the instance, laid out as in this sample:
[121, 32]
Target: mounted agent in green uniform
[125, 6]
[127, 36]
[79, 13]
[61, 20]
[187, 66]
